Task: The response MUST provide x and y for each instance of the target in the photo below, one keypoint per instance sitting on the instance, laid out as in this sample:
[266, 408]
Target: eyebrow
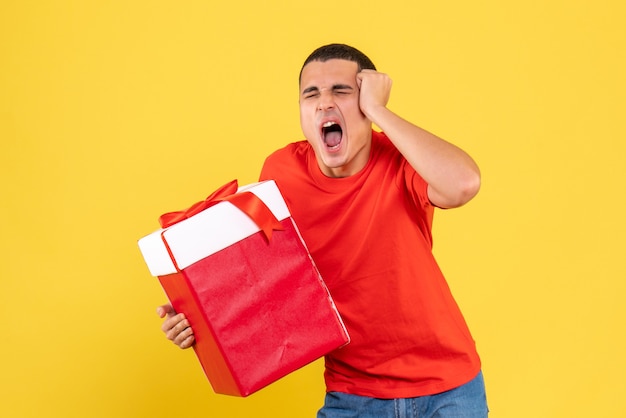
[335, 87]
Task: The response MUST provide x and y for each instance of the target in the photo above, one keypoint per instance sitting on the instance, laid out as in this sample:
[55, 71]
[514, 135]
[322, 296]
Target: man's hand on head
[375, 89]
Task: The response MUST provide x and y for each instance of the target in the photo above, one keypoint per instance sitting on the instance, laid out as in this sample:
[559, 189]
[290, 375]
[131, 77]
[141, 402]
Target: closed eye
[342, 89]
[310, 92]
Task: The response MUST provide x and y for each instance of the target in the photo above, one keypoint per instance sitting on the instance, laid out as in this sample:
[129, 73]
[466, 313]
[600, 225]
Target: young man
[364, 203]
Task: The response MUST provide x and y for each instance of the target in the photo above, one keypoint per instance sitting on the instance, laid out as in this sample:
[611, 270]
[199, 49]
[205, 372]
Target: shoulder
[407, 179]
[381, 144]
[385, 154]
[290, 150]
[284, 160]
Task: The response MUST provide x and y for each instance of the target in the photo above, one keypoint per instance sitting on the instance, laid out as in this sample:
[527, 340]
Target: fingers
[375, 88]
[373, 77]
[177, 329]
[174, 325]
[185, 339]
[182, 334]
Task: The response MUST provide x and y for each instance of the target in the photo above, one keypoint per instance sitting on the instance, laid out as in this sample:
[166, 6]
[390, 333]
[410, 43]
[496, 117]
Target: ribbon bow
[247, 202]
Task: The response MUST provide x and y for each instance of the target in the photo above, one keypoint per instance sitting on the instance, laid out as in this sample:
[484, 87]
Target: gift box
[237, 267]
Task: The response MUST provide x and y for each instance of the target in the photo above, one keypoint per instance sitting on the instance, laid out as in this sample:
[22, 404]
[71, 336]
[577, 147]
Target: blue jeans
[466, 401]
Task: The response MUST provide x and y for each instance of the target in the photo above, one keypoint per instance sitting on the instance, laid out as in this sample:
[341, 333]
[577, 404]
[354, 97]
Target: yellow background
[112, 112]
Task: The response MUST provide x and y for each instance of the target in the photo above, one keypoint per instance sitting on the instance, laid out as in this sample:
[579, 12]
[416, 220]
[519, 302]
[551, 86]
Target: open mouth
[332, 134]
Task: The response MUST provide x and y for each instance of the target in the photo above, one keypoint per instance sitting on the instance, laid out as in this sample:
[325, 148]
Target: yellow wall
[112, 112]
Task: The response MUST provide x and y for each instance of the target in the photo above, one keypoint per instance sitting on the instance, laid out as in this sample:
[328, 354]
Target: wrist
[376, 113]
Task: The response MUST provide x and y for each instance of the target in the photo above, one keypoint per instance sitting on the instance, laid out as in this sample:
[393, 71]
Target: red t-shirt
[370, 237]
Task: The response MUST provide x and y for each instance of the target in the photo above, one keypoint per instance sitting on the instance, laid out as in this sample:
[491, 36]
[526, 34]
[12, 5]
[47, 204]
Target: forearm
[452, 175]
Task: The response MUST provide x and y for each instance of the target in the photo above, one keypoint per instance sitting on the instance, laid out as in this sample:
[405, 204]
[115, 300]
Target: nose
[325, 101]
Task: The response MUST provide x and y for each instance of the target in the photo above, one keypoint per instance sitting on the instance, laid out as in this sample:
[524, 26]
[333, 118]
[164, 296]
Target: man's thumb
[165, 310]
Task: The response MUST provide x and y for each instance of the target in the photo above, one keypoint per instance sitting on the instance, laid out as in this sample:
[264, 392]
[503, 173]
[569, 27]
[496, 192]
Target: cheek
[352, 112]
[307, 122]
[358, 124]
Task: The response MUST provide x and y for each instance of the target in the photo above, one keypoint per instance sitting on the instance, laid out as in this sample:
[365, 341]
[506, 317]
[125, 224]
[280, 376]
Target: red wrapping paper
[259, 310]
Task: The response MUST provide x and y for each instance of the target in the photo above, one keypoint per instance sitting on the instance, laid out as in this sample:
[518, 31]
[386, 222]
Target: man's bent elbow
[468, 188]
[457, 195]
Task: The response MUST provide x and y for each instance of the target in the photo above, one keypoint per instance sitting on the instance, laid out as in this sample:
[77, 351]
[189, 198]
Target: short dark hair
[342, 52]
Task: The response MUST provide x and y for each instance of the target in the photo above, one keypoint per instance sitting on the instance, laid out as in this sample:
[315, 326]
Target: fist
[374, 90]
